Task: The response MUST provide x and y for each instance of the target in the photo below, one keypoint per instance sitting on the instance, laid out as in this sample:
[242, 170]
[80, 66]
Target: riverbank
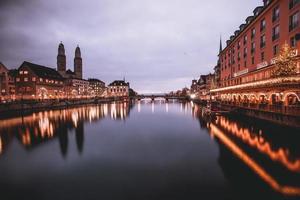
[284, 116]
[25, 107]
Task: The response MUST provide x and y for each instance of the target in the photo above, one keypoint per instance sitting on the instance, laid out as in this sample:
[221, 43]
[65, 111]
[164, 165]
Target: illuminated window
[25, 79]
[33, 79]
[21, 72]
[25, 72]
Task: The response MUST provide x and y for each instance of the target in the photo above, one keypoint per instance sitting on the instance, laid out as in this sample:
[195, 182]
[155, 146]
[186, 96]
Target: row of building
[260, 63]
[34, 81]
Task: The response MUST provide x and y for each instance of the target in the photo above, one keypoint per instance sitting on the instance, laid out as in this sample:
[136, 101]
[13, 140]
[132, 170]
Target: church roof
[70, 72]
[42, 71]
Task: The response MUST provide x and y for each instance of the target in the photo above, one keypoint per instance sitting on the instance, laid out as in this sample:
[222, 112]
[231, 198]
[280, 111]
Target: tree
[285, 64]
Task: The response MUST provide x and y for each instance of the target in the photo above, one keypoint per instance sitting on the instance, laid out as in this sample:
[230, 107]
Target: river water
[146, 150]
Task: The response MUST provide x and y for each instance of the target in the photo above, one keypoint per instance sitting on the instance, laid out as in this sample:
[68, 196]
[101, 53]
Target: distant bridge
[159, 95]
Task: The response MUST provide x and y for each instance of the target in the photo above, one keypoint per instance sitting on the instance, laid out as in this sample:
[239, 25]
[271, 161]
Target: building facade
[7, 83]
[260, 64]
[76, 88]
[118, 88]
[96, 87]
[38, 82]
[257, 42]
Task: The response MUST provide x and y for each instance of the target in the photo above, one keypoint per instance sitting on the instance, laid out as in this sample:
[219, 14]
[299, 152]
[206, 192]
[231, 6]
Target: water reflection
[250, 155]
[275, 162]
[41, 127]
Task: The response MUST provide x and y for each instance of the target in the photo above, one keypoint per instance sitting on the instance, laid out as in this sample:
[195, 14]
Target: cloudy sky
[157, 45]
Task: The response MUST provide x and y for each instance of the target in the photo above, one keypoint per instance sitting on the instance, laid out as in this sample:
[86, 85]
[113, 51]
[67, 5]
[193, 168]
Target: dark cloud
[157, 45]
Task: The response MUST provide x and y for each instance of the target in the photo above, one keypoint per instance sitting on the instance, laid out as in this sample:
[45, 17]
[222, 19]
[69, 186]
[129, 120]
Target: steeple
[61, 58]
[78, 63]
[77, 52]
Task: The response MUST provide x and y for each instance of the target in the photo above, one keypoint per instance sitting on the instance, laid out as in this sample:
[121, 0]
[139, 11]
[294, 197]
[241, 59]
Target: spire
[77, 52]
[221, 48]
[61, 58]
[61, 49]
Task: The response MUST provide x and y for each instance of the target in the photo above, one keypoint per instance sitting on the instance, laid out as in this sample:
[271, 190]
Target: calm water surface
[146, 150]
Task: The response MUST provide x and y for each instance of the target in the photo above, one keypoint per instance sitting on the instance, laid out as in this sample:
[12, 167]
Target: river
[146, 150]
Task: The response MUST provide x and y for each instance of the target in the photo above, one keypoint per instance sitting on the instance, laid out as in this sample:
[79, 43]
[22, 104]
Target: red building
[261, 64]
[38, 82]
[253, 47]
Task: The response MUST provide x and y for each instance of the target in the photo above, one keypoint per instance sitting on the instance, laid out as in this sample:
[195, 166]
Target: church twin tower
[61, 63]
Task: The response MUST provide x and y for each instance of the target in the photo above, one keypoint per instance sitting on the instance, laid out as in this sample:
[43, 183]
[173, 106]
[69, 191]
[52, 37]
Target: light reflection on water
[147, 138]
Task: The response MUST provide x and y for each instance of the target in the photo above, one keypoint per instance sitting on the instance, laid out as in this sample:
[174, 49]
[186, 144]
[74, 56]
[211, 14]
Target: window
[245, 39]
[21, 72]
[293, 3]
[239, 44]
[25, 79]
[275, 50]
[18, 79]
[33, 79]
[262, 56]
[239, 56]
[253, 32]
[262, 41]
[25, 72]
[41, 80]
[263, 25]
[293, 41]
[253, 60]
[294, 21]
[252, 47]
[276, 12]
[245, 52]
[275, 33]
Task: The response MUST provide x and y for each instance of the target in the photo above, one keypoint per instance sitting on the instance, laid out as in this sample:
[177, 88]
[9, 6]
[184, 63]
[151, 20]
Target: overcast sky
[157, 45]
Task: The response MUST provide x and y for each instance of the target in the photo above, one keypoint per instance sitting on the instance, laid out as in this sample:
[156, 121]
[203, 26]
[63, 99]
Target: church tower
[61, 59]
[78, 63]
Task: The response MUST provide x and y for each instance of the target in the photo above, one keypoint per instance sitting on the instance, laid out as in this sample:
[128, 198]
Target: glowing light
[258, 142]
[1, 145]
[193, 96]
[269, 82]
[260, 171]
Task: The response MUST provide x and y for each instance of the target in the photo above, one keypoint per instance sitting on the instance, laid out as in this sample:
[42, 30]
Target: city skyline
[157, 50]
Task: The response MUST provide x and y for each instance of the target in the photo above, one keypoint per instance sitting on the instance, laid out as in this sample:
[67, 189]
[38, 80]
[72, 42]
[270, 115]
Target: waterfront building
[76, 88]
[118, 88]
[96, 87]
[62, 64]
[38, 82]
[260, 63]
[7, 83]
[200, 88]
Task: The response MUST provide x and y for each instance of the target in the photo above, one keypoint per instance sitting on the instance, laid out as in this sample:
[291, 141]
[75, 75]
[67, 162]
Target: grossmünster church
[61, 63]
